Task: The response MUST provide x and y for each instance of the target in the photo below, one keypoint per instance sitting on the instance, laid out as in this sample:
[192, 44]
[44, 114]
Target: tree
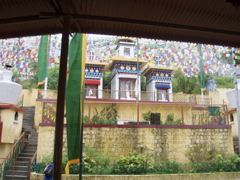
[53, 77]
[107, 80]
[188, 85]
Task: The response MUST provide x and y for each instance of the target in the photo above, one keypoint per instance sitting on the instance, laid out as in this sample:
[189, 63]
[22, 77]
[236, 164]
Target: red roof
[11, 106]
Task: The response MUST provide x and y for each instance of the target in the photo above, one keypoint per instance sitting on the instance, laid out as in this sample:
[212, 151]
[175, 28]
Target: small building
[125, 68]
[158, 83]
[94, 79]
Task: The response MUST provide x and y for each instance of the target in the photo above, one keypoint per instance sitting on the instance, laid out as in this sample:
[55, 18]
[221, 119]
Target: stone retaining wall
[176, 142]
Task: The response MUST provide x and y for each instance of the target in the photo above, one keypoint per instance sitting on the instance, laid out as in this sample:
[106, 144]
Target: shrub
[168, 167]
[170, 120]
[39, 167]
[94, 162]
[147, 116]
[133, 163]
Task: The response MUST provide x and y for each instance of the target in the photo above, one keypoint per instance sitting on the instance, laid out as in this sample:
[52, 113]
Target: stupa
[9, 91]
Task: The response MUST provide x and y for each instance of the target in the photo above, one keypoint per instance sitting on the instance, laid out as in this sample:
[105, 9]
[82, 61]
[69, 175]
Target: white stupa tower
[9, 91]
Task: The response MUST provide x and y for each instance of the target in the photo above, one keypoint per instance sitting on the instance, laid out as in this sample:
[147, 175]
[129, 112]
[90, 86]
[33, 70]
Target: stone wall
[176, 142]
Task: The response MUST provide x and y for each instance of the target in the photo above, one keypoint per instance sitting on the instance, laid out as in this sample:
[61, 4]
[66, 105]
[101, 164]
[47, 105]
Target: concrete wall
[29, 97]
[11, 128]
[219, 96]
[4, 150]
[175, 142]
[195, 176]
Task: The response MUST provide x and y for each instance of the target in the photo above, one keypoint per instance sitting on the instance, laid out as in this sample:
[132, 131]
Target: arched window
[16, 116]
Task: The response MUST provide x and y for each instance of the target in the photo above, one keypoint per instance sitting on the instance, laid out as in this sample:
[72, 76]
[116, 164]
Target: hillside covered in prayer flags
[20, 52]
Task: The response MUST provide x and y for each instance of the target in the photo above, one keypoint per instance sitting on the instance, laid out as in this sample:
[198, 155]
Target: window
[162, 95]
[231, 118]
[127, 88]
[16, 116]
[91, 56]
[126, 51]
[91, 91]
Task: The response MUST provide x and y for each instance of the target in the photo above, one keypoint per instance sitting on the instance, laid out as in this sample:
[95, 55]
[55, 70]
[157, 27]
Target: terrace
[189, 109]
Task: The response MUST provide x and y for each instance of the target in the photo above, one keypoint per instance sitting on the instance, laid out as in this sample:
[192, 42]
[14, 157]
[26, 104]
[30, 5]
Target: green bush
[94, 162]
[85, 119]
[39, 167]
[168, 167]
[133, 163]
[170, 120]
[147, 116]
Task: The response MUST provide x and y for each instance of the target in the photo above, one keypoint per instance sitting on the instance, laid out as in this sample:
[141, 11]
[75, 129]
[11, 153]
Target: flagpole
[47, 65]
[201, 72]
[137, 83]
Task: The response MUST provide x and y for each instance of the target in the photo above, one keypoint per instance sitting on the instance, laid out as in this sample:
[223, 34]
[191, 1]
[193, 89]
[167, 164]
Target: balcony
[143, 96]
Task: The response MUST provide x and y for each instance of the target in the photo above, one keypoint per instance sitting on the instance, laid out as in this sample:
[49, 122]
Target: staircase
[20, 170]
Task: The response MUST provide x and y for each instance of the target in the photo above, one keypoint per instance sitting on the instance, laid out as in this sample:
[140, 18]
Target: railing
[2, 167]
[31, 165]
[132, 95]
[13, 153]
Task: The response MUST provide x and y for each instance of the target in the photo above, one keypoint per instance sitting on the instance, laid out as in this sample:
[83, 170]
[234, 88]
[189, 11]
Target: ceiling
[206, 21]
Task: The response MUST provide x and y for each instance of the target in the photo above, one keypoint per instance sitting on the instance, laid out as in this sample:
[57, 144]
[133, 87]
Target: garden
[147, 162]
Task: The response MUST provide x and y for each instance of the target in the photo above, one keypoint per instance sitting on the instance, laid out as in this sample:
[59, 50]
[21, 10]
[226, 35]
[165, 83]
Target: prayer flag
[42, 59]
[75, 98]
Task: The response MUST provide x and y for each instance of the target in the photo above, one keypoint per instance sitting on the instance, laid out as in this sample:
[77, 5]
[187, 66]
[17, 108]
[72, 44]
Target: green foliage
[191, 85]
[47, 159]
[107, 115]
[224, 82]
[133, 163]
[188, 85]
[30, 83]
[85, 119]
[53, 77]
[107, 80]
[143, 83]
[197, 155]
[170, 120]
[39, 167]
[168, 167]
[94, 162]
[147, 116]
